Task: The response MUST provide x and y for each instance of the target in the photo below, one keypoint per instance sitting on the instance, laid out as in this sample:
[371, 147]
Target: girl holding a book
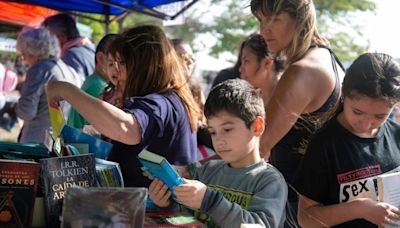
[339, 170]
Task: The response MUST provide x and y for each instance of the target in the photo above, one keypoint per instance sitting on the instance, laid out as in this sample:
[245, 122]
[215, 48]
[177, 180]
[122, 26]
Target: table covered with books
[66, 181]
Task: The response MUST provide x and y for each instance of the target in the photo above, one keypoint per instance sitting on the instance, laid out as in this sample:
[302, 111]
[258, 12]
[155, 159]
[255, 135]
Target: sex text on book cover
[18, 186]
[61, 173]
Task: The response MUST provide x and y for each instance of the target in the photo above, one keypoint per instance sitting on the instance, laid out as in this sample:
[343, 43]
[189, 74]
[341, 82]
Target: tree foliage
[234, 22]
[334, 22]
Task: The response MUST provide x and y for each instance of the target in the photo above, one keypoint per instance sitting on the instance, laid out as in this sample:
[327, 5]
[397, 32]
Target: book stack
[108, 174]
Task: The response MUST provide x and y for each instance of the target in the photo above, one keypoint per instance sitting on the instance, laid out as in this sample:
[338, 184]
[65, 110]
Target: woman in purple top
[159, 112]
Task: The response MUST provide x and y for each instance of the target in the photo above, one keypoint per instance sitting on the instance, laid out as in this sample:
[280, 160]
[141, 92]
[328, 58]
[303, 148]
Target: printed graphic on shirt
[235, 196]
[360, 183]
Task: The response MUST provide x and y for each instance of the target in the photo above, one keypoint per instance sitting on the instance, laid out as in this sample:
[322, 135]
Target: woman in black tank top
[308, 91]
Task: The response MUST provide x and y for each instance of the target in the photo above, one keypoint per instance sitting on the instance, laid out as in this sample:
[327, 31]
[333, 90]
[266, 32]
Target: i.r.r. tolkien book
[60, 173]
[18, 186]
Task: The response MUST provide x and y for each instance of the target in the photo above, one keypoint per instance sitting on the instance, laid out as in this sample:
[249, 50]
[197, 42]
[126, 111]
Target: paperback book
[104, 207]
[18, 187]
[61, 173]
[108, 174]
[156, 166]
[389, 191]
[99, 147]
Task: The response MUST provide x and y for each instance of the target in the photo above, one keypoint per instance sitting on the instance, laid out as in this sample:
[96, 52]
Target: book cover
[56, 119]
[18, 186]
[389, 191]
[61, 173]
[108, 173]
[171, 219]
[104, 207]
[97, 146]
[157, 166]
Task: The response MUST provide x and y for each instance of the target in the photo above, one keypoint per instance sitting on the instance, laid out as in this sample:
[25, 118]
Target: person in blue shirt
[76, 51]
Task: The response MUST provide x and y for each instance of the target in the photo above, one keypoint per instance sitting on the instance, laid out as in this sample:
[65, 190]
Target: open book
[157, 166]
[388, 189]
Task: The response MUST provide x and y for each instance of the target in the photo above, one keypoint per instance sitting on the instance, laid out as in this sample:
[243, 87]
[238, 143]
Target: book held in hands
[389, 190]
[156, 166]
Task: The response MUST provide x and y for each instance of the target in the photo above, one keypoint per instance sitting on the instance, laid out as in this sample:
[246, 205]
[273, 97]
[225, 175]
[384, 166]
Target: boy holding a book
[337, 177]
[241, 188]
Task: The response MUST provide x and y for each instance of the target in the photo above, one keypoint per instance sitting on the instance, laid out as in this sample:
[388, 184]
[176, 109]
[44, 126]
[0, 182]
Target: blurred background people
[184, 51]
[41, 51]
[76, 51]
[95, 84]
[259, 67]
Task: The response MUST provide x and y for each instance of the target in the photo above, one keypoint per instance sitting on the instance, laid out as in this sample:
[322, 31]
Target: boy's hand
[191, 193]
[381, 214]
[159, 193]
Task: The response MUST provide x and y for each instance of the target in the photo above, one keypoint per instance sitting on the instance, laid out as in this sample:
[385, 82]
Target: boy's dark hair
[62, 23]
[237, 97]
[374, 75]
[103, 44]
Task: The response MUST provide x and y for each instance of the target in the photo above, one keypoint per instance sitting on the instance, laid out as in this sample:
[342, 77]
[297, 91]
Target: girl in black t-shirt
[337, 179]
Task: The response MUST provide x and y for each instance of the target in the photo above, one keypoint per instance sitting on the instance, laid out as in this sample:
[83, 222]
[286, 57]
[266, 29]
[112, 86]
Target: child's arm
[159, 194]
[266, 207]
[313, 214]
[191, 193]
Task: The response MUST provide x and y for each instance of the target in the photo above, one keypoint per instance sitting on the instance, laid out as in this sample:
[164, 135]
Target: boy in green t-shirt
[95, 83]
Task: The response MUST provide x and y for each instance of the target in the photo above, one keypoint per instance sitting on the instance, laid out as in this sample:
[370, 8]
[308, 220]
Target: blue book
[157, 166]
[99, 147]
[23, 150]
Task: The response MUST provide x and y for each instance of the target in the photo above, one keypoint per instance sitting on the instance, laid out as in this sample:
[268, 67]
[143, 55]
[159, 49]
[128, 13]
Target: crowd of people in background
[269, 142]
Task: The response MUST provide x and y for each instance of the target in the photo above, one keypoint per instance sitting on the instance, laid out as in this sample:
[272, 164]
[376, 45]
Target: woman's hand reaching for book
[191, 193]
[159, 193]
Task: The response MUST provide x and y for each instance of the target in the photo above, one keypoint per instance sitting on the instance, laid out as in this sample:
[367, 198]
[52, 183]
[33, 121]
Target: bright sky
[380, 28]
[383, 28]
